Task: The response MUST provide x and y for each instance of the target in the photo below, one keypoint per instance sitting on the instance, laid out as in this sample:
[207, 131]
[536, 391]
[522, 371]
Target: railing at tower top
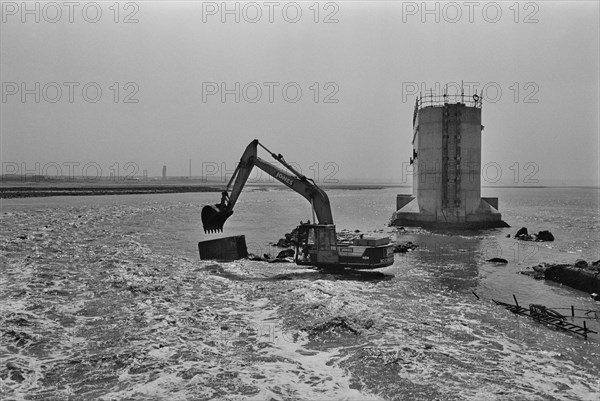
[432, 99]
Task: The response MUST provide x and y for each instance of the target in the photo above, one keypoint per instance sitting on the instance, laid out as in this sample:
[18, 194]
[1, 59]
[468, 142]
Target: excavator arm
[214, 216]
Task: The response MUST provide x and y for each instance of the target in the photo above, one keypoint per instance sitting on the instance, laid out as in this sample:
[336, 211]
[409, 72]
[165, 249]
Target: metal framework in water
[539, 315]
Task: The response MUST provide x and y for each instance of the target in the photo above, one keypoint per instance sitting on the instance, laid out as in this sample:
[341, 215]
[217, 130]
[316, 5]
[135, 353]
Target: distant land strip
[34, 192]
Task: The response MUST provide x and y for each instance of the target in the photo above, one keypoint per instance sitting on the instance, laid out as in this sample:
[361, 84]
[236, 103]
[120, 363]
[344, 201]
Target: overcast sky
[162, 68]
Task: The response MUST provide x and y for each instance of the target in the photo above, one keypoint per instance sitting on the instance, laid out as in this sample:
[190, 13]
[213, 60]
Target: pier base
[410, 214]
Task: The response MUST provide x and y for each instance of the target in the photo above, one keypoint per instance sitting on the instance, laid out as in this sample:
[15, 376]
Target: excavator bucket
[213, 218]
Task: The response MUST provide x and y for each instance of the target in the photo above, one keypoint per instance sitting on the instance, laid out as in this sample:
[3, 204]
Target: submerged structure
[446, 164]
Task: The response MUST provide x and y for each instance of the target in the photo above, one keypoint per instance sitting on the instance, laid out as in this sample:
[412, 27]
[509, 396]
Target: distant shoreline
[10, 189]
[15, 190]
[46, 191]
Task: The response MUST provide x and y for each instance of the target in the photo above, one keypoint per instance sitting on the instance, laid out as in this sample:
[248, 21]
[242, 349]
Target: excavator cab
[317, 245]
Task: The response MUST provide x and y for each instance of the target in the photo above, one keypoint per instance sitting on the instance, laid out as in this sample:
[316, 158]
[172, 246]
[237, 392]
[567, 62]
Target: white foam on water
[114, 314]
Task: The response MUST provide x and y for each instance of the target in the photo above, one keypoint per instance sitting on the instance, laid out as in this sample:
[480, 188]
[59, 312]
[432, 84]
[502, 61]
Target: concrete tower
[447, 167]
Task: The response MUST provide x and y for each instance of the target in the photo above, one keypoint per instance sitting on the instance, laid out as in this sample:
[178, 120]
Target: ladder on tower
[451, 172]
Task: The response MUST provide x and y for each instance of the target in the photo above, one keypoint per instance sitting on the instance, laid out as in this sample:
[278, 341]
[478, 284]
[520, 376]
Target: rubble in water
[580, 275]
[405, 247]
[542, 236]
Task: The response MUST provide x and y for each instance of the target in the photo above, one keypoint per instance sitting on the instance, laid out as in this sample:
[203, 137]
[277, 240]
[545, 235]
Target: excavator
[316, 244]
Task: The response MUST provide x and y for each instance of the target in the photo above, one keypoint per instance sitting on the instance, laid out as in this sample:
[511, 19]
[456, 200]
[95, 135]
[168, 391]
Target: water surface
[105, 297]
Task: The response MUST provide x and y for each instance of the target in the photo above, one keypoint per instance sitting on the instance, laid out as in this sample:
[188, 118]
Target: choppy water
[106, 298]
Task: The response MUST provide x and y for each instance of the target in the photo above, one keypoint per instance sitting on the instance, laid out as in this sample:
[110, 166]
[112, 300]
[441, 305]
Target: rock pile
[497, 260]
[339, 325]
[288, 240]
[542, 236]
[283, 257]
[580, 275]
[406, 247]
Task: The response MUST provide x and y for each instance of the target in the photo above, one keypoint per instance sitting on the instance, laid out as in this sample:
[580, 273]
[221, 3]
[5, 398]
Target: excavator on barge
[317, 244]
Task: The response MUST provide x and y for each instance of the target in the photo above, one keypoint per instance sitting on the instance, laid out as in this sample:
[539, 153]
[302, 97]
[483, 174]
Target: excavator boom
[214, 216]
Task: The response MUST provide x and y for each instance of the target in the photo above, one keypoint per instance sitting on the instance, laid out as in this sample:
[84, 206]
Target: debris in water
[542, 314]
